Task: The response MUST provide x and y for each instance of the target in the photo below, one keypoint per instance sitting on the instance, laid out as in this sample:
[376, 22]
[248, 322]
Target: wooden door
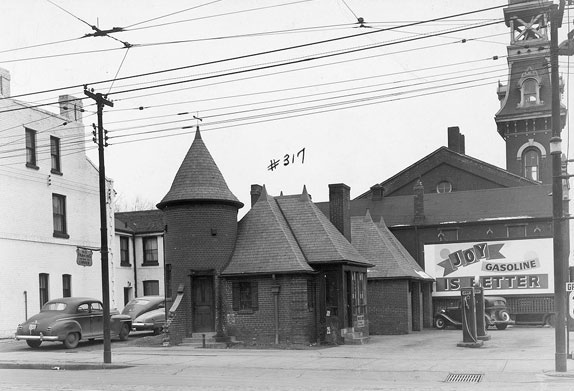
[203, 304]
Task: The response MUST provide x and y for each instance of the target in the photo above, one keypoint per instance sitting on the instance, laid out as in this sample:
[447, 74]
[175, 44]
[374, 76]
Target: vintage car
[153, 320]
[70, 320]
[147, 313]
[495, 314]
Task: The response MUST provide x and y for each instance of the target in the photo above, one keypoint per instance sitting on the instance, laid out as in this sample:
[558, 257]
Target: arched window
[529, 92]
[531, 161]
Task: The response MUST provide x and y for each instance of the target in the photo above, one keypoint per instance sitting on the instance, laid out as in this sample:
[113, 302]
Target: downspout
[26, 305]
[135, 267]
[275, 291]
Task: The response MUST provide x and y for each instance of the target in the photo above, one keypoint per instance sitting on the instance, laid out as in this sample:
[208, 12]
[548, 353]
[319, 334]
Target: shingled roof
[199, 179]
[380, 247]
[265, 244]
[320, 241]
[139, 222]
[459, 206]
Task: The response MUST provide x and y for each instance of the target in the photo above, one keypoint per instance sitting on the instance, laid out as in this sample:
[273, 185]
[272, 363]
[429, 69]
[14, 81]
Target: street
[519, 358]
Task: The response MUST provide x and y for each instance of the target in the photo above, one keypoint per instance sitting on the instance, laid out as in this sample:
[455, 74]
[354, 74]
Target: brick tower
[200, 214]
[525, 116]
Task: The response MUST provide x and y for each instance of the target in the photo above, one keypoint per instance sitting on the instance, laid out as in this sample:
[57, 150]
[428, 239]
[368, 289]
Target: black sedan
[70, 320]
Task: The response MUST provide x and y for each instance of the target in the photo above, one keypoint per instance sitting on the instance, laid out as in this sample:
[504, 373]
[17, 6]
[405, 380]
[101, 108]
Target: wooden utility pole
[102, 101]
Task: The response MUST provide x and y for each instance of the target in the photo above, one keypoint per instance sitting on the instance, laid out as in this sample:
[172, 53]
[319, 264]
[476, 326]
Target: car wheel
[124, 332]
[72, 340]
[501, 326]
[486, 322]
[439, 323]
[504, 316]
[550, 320]
[34, 344]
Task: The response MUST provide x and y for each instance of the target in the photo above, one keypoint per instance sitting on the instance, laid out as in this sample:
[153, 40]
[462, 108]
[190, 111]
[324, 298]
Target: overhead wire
[171, 14]
[271, 66]
[395, 85]
[218, 15]
[296, 61]
[308, 44]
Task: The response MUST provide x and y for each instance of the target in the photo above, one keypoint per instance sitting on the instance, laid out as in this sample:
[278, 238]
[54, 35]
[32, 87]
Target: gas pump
[481, 324]
[468, 304]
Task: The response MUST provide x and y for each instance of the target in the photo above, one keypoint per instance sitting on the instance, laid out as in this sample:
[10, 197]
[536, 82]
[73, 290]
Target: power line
[264, 52]
[297, 61]
[171, 14]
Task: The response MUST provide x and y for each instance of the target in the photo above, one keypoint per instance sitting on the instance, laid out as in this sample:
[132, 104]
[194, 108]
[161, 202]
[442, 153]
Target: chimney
[255, 193]
[4, 83]
[340, 208]
[455, 139]
[71, 107]
[419, 202]
[377, 192]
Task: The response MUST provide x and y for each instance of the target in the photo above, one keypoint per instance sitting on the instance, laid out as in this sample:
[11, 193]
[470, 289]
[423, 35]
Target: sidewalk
[518, 354]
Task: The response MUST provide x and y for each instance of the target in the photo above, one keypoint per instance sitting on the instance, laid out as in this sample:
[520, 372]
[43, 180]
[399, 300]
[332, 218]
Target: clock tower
[525, 117]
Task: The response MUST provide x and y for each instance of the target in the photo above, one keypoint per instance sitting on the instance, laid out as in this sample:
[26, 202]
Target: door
[97, 319]
[349, 293]
[203, 304]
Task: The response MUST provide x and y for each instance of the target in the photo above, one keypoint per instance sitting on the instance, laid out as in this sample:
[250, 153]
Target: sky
[347, 102]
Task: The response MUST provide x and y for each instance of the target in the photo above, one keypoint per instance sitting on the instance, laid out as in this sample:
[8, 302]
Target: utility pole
[560, 260]
[101, 100]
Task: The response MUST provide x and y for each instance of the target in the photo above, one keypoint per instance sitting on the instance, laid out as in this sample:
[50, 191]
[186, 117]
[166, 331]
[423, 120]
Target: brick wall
[389, 307]
[199, 236]
[296, 321]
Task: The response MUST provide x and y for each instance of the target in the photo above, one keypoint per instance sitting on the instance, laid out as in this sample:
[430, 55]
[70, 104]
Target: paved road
[518, 358]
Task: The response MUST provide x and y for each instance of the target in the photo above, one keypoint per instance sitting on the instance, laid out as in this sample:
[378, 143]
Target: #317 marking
[287, 159]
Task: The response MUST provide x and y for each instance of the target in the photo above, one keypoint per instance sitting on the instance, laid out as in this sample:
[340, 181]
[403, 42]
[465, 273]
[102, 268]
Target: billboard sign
[503, 267]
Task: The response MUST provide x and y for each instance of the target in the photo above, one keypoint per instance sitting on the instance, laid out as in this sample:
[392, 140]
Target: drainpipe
[275, 291]
[26, 305]
[135, 266]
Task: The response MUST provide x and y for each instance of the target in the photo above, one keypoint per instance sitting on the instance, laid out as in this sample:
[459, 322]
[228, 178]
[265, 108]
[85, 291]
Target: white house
[139, 245]
[49, 208]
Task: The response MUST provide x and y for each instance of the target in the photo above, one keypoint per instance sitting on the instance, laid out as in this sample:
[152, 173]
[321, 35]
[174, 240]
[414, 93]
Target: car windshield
[54, 307]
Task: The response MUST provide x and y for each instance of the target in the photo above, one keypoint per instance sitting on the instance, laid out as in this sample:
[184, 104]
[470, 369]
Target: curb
[62, 367]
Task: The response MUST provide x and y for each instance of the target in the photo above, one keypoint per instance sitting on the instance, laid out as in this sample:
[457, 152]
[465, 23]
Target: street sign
[569, 286]
[84, 256]
[571, 304]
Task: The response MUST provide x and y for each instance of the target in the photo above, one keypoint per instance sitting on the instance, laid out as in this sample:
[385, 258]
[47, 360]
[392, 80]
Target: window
[444, 187]
[516, 231]
[44, 288]
[84, 308]
[151, 287]
[59, 213]
[124, 251]
[97, 307]
[127, 294]
[245, 296]
[530, 92]
[55, 154]
[359, 292]
[150, 251]
[531, 164]
[31, 148]
[66, 285]
[447, 235]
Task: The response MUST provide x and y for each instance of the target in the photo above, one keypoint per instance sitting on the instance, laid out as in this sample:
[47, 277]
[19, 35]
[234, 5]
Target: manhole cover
[464, 378]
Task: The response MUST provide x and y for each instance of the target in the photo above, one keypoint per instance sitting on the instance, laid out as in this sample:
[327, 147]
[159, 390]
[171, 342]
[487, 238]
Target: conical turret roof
[199, 179]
